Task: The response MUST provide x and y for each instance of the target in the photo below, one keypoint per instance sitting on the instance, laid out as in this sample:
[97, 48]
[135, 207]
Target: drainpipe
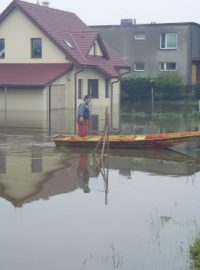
[49, 113]
[75, 97]
[111, 102]
[5, 91]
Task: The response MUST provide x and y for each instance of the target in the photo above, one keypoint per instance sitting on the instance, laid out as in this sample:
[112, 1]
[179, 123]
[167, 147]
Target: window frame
[80, 88]
[2, 162]
[138, 36]
[94, 49]
[3, 48]
[93, 88]
[166, 66]
[107, 88]
[139, 70]
[94, 123]
[34, 54]
[36, 163]
[164, 41]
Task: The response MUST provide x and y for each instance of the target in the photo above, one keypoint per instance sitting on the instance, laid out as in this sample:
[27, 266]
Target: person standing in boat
[83, 116]
[83, 173]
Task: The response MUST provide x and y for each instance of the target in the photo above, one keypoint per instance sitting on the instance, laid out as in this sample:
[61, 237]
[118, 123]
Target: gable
[96, 49]
[21, 38]
[73, 39]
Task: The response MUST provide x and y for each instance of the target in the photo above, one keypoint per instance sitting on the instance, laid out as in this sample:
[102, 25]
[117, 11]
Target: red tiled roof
[64, 29]
[31, 75]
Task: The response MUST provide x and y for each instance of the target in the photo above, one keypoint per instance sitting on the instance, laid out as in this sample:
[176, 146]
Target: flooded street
[58, 211]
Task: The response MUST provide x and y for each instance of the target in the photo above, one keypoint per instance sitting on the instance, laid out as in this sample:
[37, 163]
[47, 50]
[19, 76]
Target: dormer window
[96, 49]
[68, 44]
[36, 48]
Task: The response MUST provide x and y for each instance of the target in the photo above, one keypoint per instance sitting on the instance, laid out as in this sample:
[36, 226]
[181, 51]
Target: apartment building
[154, 48]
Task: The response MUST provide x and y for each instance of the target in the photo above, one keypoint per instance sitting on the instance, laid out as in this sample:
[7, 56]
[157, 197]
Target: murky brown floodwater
[58, 212]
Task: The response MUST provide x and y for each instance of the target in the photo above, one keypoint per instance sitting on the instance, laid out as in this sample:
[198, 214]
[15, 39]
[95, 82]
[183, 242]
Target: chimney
[126, 22]
[45, 4]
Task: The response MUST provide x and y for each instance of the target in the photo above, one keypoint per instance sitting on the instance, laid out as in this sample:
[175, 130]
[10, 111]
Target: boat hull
[146, 141]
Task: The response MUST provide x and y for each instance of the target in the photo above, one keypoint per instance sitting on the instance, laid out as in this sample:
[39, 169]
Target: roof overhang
[31, 75]
[196, 60]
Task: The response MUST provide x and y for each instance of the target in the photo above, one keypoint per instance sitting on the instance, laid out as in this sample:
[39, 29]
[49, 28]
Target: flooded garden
[58, 211]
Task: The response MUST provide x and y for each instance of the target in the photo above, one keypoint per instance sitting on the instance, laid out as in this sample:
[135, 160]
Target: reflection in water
[83, 173]
[40, 173]
[65, 222]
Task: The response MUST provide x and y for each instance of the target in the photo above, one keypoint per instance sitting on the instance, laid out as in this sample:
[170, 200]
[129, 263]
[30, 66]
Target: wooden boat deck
[129, 141]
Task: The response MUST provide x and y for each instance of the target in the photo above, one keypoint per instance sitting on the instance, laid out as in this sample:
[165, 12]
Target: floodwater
[64, 209]
[60, 209]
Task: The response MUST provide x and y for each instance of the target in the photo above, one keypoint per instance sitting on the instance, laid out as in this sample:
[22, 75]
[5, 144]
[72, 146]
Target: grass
[64, 151]
[160, 117]
[165, 219]
[195, 254]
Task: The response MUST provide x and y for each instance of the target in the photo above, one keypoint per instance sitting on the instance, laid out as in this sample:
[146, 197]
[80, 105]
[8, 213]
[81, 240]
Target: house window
[168, 41]
[106, 88]
[167, 66]
[36, 163]
[94, 124]
[139, 36]
[80, 88]
[94, 49]
[2, 48]
[36, 47]
[93, 88]
[2, 162]
[139, 67]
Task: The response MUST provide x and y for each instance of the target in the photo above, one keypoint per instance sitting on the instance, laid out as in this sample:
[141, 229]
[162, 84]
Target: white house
[49, 59]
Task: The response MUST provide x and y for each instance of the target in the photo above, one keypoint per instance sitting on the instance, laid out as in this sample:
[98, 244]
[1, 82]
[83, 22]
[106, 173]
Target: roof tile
[65, 28]
[31, 75]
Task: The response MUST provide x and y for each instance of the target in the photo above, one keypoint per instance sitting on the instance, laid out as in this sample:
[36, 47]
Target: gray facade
[154, 48]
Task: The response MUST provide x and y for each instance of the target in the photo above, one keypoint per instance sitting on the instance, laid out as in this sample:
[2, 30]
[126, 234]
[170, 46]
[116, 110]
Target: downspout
[189, 59]
[111, 102]
[5, 103]
[75, 97]
[49, 113]
[111, 107]
[5, 114]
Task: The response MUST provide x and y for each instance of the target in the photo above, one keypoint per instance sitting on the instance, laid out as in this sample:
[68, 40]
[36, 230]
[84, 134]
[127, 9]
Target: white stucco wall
[22, 104]
[20, 184]
[26, 99]
[101, 101]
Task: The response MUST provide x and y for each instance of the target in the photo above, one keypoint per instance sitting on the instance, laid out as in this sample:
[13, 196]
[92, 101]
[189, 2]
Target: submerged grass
[195, 254]
[160, 117]
[65, 152]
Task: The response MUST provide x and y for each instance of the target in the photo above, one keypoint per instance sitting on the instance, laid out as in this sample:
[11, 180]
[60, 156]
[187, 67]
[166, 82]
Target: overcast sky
[111, 11]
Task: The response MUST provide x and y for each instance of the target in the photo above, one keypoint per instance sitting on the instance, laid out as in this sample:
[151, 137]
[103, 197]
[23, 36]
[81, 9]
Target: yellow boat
[143, 141]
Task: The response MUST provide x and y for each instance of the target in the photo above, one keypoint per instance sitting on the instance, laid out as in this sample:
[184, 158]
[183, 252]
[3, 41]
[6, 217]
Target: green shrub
[195, 254]
[169, 86]
[136, 89]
